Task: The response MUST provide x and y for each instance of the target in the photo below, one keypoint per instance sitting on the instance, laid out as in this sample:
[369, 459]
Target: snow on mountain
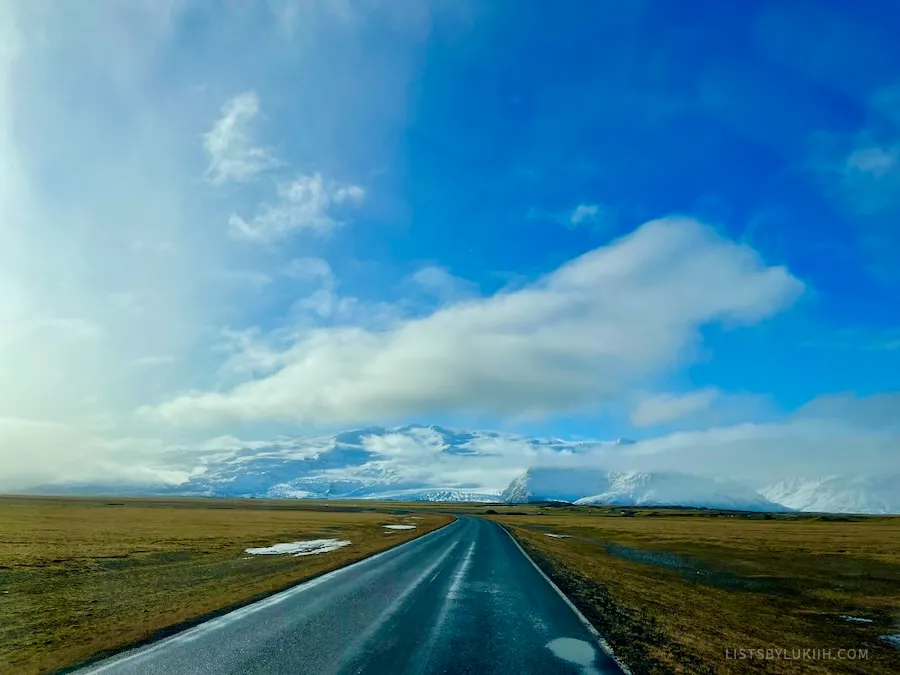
[595, 486]
[431, 463]
[838, 494]
[439, 495]
[373, 463]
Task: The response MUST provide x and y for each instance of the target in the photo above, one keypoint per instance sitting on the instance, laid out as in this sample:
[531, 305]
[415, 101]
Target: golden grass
[673, 591]
[85, 577]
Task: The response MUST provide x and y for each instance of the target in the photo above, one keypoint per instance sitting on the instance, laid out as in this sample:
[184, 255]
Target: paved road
[463, 599]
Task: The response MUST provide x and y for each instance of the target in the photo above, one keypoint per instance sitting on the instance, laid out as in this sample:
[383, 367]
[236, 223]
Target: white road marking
[360, 642]
[604, 645]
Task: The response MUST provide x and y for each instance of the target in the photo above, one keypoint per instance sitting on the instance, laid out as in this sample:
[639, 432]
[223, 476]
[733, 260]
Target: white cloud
[865, 161]
[860, 171]
[247, 353]
[759, 454]
[230, 146]
[440, 283]
[66, 453]
[873, 160]
[870, 176]
[306, 203]
[596, 325]
[584, 213]
[656, 409]
[831, 435]
[309, 268]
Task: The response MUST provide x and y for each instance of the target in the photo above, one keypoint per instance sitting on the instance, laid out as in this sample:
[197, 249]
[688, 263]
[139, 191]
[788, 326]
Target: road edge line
[604, 645]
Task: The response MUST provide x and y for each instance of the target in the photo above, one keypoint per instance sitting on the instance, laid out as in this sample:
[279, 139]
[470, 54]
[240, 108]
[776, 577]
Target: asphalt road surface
[463, 599]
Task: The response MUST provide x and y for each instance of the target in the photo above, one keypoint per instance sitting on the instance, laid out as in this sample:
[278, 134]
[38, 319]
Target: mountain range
[596, 486]
[431, 463]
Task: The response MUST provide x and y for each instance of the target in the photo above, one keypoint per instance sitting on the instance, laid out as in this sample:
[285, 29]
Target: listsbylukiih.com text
[810, 654]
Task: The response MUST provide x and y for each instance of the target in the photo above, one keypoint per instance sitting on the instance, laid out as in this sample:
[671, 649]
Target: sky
[579, 220]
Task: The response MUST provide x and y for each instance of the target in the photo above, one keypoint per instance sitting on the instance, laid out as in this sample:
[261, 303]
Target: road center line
[360, 642]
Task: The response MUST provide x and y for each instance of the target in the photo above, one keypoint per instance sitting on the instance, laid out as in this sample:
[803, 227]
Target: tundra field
[80, 578]
[677, 591]
[672, 590]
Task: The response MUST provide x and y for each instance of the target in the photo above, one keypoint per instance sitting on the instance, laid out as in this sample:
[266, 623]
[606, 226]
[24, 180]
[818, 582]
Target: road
[463, 599]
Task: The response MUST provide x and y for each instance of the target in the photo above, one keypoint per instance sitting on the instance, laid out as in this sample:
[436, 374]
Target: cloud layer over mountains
[601, 323]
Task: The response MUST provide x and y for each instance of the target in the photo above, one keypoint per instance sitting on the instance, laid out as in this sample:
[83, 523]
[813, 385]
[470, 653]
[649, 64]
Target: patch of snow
[298, 548]
[559, 536]
[400, 527]
[892, 640]
[856, 619]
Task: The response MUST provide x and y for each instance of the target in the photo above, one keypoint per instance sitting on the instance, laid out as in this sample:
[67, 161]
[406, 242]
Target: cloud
[64, 453]
[656, 409]
[584, 213]
[869, 176]
[306, 203]
[830, 435]
[861, 171]
[579, 335]
[440, 283]
[309, 268]
[759, 454]
[875, 412]
[838, 434]
[229, 144]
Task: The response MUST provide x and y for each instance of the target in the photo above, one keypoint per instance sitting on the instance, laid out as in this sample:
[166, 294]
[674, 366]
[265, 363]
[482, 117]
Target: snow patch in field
[856, 619]
[400, 527]
[892, 640]
[559, 536]
[298, 548]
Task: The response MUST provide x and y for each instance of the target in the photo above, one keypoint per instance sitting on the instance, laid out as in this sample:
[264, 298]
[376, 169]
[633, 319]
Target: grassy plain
[81, 578]
[672, 590]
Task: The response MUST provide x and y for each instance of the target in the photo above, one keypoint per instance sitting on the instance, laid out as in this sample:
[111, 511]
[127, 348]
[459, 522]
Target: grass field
[85, 577]
[673, 590]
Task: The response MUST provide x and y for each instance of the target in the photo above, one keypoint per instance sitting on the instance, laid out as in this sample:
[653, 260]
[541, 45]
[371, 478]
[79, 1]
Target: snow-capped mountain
[440, 495]
[363, 464]
[420, 463]
[594, 486]
[838, 494]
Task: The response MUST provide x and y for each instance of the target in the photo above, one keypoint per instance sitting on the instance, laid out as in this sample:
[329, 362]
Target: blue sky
[220, 214]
